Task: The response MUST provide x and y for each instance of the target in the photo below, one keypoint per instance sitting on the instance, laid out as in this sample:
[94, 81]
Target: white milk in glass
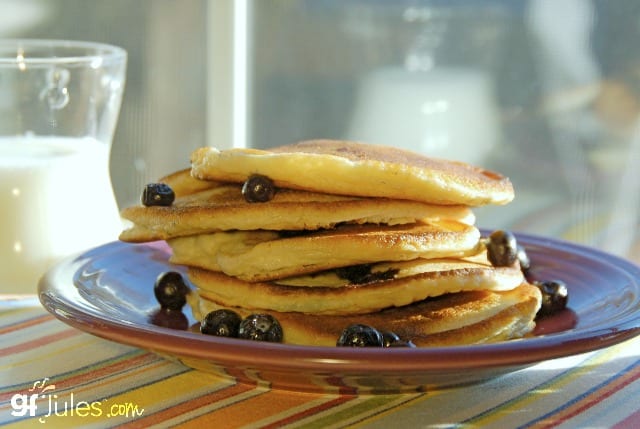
[56, 200]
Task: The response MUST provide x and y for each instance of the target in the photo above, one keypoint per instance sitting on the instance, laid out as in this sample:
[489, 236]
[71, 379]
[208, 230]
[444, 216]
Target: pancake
[422, 279]
[223, 208]
[183, 183]
[264, 255]
[354, 233]
[453, 319]
[351, 168]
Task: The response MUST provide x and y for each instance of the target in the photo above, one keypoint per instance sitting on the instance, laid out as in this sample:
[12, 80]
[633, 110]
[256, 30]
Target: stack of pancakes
[355, 233]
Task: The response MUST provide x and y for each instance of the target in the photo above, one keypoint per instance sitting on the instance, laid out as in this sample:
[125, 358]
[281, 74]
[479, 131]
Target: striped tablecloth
[52, 375]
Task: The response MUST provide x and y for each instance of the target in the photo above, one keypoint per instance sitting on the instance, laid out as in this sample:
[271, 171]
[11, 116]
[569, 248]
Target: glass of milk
[445, 112]
[59, 104]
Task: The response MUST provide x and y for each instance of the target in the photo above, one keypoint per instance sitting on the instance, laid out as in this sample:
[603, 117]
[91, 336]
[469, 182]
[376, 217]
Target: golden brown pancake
[351, 168]
[223, 208]
[453, 319]
[183, 183]
[264, 255]
[423, 278]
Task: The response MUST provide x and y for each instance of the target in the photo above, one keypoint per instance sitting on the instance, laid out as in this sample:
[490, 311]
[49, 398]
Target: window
[546, 92]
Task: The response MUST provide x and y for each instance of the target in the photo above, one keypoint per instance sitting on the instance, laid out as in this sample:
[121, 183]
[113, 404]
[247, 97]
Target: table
[52, 375]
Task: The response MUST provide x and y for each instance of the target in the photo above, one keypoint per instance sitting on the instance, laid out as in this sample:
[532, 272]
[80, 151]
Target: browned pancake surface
[436, 277]
[262, 255]
[223, 208]
[452, 319]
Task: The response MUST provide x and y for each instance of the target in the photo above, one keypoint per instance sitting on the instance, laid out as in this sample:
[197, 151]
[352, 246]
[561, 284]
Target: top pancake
[357, 169]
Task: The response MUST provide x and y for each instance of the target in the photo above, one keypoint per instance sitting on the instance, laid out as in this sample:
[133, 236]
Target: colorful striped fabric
[52, 376]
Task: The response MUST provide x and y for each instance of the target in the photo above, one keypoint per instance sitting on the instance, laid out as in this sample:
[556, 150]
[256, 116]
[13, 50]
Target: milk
[445, 112]
[56, 200]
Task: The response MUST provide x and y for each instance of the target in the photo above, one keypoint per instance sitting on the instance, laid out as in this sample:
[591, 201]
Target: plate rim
[512, 353]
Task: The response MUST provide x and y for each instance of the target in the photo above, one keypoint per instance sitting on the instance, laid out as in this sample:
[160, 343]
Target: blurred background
[543, 91]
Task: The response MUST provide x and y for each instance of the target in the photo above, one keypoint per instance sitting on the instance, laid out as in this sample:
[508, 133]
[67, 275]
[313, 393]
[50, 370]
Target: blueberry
[502, 248]
[554, 297]
[221, 323]
[171, 290]
[260, 327]
[361, 274]
[258, 189]
[157, 194]
[172, 319]
[360, 336]
[391, 339]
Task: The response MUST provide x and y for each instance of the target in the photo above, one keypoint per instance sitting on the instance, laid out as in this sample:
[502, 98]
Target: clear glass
[59, 105]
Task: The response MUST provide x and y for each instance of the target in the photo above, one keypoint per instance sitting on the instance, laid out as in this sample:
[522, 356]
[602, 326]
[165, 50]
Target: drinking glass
[59, 104]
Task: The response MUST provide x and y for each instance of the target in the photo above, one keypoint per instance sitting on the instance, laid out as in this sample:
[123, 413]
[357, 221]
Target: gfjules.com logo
[42, 400]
